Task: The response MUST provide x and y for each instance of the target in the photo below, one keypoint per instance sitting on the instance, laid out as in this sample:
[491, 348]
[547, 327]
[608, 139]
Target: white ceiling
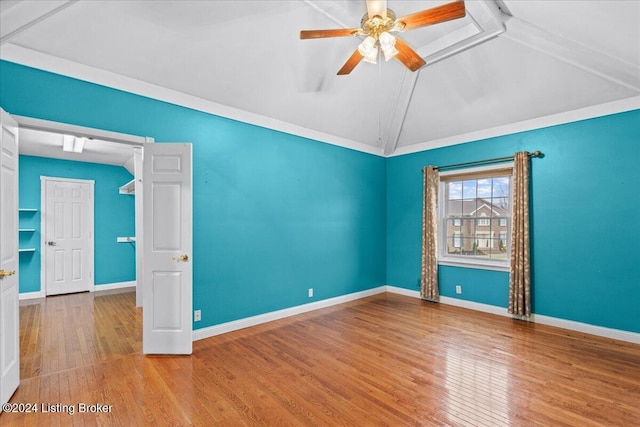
[505, 62]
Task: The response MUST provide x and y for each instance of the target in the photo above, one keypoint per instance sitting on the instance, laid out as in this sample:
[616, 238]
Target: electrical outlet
[458, 289]
[310, 292]
[197, 315]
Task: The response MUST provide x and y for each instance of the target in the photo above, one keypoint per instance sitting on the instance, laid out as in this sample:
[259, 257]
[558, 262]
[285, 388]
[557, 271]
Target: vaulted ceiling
[505, 62]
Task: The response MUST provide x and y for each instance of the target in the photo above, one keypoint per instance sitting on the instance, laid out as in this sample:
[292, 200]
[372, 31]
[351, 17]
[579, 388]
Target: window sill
[475, 264]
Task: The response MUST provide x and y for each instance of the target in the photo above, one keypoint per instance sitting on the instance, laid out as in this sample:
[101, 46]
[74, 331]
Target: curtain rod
[482, 162]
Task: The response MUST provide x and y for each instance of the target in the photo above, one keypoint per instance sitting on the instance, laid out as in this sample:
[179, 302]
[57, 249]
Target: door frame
[86, 132]
[44, 232]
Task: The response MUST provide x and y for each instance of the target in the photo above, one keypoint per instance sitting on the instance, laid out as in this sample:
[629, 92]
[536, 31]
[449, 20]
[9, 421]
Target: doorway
[167, 177]
[163, 228]
[105, 164]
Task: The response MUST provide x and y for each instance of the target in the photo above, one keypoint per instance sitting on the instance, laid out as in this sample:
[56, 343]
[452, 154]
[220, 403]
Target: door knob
[51, 243]
[181, 258]
[7, 273]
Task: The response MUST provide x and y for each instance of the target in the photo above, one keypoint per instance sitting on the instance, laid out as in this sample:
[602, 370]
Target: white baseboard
[234, 325]
[586, 328]
[31, 295]
[118, 285]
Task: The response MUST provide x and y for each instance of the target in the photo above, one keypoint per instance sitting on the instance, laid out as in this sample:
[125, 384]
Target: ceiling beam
[397, 111]
[24, 15]
[335, 12]
[608, 67]
[485, 23]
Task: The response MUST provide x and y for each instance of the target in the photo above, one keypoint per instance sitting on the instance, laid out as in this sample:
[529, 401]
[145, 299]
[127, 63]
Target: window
[475, 212]
[457, 239]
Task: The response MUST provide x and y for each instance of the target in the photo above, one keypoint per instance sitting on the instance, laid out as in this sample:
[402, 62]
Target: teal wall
[585, 221]
[114, 215]
[273, 214]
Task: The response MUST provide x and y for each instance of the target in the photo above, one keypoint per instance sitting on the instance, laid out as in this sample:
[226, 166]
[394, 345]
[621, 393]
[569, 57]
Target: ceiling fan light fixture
[369, 50]
[388, 45]
[377, 25]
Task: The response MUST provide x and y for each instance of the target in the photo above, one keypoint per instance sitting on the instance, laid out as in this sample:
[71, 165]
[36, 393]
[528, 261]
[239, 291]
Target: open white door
[9, 309]
[167, 236]
[137, 170]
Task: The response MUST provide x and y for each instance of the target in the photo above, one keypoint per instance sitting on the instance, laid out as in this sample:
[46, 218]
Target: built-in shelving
[27, 217]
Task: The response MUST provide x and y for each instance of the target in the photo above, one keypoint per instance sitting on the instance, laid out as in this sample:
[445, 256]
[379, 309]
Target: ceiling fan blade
[377, 7]
[351, 63]
[435, 15]
[408, 56]
[319, 34]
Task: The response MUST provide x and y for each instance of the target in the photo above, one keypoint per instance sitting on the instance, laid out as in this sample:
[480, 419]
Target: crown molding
[614, 107]
[64, 67]
[34, 59]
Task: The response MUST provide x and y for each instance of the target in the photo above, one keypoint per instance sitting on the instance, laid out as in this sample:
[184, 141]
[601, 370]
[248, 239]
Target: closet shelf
[129, 187]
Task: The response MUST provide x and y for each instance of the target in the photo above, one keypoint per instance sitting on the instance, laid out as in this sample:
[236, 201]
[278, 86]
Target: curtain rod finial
[536, 153]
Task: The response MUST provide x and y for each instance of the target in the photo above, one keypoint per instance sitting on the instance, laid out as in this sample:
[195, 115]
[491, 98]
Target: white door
[9, 320]
[137, 170]
[68, 235]
[167, 211]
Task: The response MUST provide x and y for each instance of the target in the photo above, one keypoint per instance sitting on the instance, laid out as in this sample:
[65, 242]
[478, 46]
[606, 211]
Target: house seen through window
[475, 217]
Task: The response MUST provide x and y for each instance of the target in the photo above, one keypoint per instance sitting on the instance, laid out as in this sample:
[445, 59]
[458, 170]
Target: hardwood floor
[383, 360]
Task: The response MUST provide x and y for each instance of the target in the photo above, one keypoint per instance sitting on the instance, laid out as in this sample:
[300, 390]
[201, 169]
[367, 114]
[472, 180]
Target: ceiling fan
[377, 26]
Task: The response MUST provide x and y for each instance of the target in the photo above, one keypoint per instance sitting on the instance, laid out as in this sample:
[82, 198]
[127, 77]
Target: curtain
[429, 267]
[519, 279]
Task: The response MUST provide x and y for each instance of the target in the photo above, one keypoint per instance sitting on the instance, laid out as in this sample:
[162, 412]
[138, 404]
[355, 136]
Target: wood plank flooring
[383, 360]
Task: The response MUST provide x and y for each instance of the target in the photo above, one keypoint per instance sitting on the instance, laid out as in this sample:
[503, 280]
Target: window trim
[467, 262]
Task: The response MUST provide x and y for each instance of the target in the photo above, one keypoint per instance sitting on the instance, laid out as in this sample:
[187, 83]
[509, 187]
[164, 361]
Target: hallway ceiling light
[73, 144]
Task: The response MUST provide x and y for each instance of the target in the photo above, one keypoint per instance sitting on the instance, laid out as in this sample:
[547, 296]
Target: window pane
[467, 246]
[454, 190]
[502, 243]
[454, 243]
[499, 252]
[484, 188]
[469, 189]
[469, 227]
[483, 222]
[468, 207]
[454, 208]
[501, 206]
[501, 186]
